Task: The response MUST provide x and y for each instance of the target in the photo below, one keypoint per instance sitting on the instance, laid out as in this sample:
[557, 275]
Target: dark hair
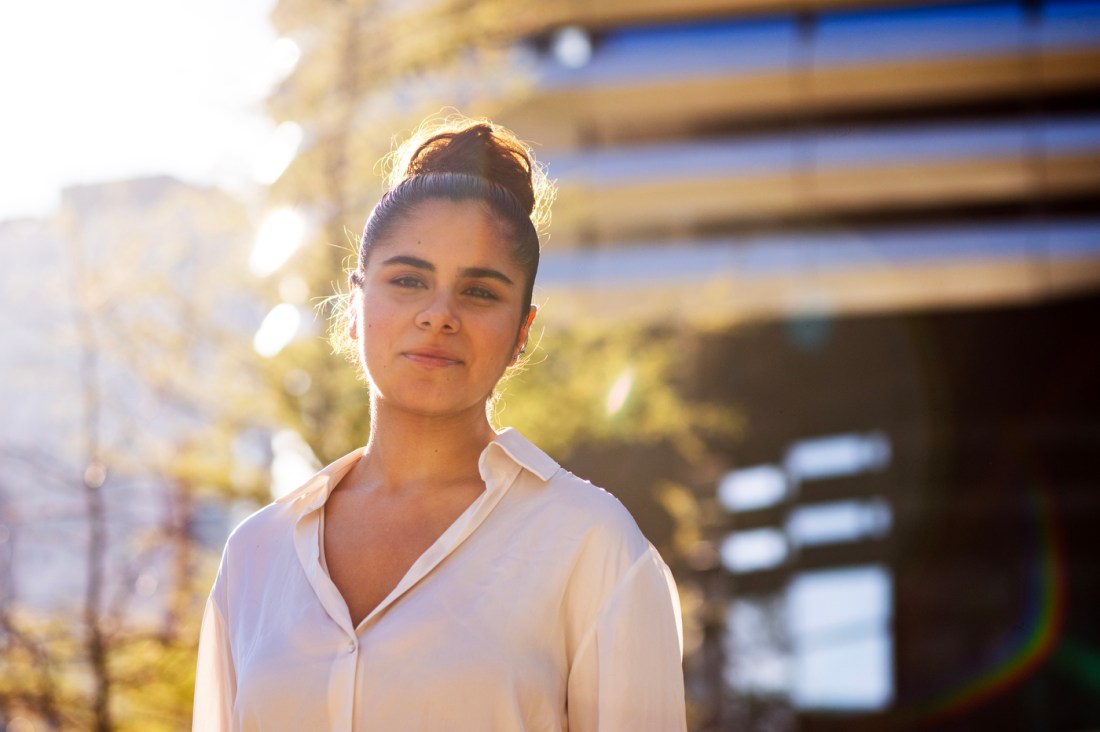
[466, 160]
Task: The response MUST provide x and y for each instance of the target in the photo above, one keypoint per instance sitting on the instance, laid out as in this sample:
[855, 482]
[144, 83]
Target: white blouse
[543, 607]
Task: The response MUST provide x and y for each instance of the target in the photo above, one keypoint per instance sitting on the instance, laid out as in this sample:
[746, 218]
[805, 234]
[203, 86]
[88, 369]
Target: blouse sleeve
[215, 677]
[627, 672]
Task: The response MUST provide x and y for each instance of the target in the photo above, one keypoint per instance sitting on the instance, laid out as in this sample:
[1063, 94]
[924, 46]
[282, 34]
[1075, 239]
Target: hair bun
[479, 148]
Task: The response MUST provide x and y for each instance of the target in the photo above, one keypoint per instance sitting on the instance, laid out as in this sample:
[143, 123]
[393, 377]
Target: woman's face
[438, 315]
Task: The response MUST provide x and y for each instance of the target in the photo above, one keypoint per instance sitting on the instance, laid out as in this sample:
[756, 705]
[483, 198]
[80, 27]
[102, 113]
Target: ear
[524, 332]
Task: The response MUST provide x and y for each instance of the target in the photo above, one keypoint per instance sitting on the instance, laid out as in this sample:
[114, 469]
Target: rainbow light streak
[1039, 634]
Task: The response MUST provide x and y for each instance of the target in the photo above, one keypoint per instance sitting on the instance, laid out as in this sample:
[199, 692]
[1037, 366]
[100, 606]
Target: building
[882, 220]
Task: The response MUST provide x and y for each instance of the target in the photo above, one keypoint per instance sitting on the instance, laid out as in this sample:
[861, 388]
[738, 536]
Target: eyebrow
[479, 272]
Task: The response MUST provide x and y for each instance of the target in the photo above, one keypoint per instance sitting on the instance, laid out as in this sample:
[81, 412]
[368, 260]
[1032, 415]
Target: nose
[438, 315]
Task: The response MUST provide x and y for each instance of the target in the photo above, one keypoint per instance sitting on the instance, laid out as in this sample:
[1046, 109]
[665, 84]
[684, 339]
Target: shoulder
[614, 571]
[249, 551]
[275, 522]
[586, 526]
[593, 508]
[271, 520]
[260, 532]
[563, 502]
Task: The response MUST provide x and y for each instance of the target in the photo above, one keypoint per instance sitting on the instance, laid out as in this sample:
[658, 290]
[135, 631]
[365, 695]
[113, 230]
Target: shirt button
[351, 646]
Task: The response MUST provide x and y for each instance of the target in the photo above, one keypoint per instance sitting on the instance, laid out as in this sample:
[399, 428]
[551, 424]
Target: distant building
[902, 200]
[731, 161]
[115, 314]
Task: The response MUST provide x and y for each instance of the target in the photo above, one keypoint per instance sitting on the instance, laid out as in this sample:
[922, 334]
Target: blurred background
[820, 305]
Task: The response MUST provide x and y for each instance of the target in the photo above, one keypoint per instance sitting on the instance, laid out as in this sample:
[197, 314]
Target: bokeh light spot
[572, 47]
[277, 153]
[619, 392]
[277, 330]
[279, 236]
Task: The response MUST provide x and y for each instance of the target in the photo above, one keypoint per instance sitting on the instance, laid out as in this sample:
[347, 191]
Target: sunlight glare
[277, 239]
[121, 89]
[278, 329]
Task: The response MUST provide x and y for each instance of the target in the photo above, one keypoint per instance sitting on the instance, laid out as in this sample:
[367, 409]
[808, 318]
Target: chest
[371, 545]
[492, 627]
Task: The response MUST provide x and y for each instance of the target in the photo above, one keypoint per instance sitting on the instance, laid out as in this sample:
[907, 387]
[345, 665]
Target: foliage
[565, 395]
[142, 344]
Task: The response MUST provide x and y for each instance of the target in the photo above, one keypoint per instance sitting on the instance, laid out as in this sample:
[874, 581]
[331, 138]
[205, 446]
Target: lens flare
[277, 153]
[277, 330]
[279, 236]
[620, 390]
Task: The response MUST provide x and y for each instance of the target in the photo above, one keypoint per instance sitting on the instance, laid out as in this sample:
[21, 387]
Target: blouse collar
[508, 452]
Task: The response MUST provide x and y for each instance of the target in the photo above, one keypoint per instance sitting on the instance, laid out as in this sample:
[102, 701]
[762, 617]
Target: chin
[421, 405]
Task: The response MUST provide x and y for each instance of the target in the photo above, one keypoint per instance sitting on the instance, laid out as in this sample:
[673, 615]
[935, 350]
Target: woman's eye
[482, 293]
[410, 282]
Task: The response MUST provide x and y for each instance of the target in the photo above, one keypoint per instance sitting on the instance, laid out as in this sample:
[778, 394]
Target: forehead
[462, 233]
[447, 220]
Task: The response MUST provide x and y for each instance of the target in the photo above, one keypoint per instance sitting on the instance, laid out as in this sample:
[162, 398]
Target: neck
[407, 451]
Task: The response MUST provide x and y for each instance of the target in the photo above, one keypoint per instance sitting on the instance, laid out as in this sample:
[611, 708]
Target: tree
[146, 385]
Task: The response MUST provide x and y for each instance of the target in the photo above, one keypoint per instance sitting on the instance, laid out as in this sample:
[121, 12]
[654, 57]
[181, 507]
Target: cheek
[376, 314]
[503, 338]
[372, 324]
[371, 336]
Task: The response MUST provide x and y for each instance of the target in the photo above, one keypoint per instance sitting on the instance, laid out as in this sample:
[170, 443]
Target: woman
[445, 576]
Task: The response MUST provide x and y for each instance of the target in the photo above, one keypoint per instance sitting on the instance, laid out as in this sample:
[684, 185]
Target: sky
[114, 89]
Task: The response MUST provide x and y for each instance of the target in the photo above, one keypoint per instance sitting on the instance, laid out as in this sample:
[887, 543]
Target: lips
[432, 357]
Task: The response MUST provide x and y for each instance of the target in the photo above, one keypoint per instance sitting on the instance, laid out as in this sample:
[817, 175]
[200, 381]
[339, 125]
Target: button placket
[342, 699]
